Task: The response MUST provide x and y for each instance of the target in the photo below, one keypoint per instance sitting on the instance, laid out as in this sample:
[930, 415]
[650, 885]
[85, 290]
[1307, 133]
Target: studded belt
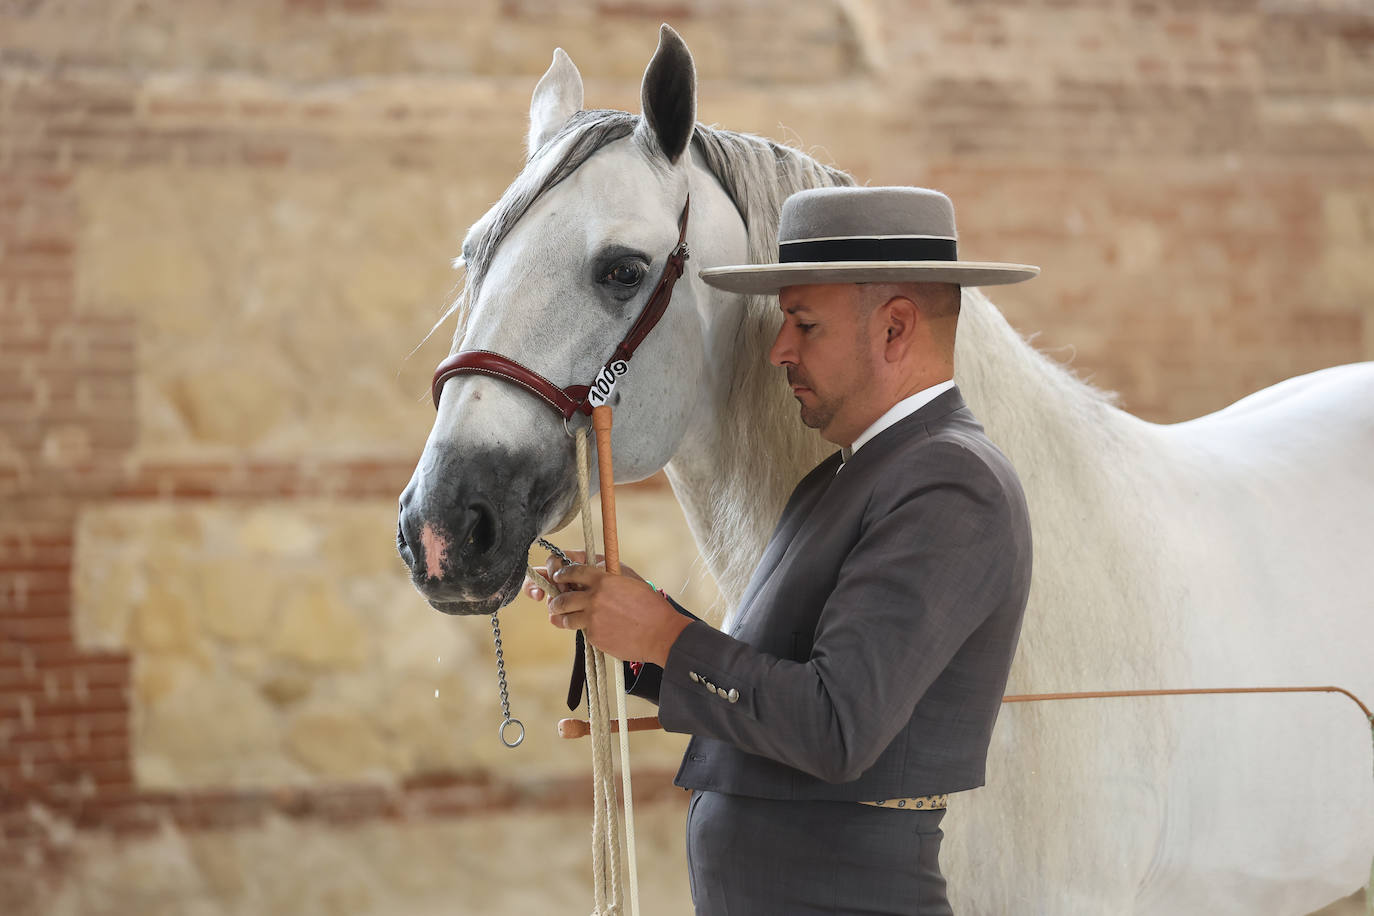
[923, 803]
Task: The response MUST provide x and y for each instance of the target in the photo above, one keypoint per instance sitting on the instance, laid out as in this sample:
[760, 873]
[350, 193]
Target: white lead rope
[607, 884]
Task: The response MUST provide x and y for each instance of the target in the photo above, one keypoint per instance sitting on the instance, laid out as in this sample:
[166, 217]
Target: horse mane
[746, 495]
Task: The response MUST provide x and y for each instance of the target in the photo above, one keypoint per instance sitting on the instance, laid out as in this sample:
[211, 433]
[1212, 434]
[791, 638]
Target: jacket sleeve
[647, 683]
[923, 575]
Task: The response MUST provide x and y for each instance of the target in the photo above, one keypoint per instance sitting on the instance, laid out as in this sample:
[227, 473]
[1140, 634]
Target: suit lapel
[796, 514]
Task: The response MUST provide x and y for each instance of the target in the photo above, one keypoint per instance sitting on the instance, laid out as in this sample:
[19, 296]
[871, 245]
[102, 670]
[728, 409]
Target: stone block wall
[224, 228]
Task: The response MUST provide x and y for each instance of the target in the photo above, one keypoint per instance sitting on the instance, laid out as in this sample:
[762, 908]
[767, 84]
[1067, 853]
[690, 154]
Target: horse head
[557, 272]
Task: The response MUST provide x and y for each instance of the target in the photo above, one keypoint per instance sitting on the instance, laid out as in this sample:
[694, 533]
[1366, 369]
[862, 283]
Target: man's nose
[781, 354]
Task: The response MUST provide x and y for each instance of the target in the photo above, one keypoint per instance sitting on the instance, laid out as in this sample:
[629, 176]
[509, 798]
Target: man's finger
[578, 574]
[552, 566]
[571, 621]
[568, 602]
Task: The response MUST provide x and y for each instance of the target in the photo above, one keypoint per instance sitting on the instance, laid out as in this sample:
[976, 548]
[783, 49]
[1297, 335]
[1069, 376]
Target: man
[864, 668]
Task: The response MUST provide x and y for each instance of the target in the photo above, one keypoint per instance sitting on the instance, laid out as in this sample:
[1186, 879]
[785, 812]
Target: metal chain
[507, 721]
[556, 551]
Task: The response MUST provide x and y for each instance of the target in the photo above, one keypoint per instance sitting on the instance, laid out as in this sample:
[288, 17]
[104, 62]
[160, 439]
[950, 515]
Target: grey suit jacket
[869, 654]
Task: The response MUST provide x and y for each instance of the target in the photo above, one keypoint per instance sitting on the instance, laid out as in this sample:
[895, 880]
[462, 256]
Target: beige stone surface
[209, 731]
[317, 629]
[275, 311]
[339, 745]
[163, 622]
[502, 862]
[235, 601]
[283, 643]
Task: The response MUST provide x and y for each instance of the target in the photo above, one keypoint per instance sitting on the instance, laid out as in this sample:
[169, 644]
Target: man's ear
[899, 318]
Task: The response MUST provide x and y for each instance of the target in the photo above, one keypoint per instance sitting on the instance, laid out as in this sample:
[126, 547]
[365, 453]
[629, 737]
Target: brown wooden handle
[601, 422]
[579, 728]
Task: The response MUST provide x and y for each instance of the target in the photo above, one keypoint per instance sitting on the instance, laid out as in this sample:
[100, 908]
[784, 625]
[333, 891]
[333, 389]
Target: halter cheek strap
[574, 398]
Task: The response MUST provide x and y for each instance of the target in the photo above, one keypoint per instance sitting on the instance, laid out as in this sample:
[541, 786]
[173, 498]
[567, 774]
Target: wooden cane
[578, 728]
[601, 422]
[610, 539]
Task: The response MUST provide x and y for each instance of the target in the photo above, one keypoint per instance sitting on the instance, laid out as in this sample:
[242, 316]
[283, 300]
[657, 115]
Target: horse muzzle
[465, 532]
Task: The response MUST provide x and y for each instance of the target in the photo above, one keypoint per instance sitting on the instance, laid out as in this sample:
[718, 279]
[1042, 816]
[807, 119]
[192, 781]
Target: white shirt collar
[899, 411]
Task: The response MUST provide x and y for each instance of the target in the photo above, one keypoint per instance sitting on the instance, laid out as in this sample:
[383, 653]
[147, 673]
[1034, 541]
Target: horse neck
[735, 477]
[1049, 422]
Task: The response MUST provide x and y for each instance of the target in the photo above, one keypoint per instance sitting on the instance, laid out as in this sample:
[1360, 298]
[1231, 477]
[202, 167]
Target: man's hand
[620, 615]
[577, 556]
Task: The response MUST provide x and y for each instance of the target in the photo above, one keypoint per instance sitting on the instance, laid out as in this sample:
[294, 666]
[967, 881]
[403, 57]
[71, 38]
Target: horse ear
[669, 94]
[557, 97]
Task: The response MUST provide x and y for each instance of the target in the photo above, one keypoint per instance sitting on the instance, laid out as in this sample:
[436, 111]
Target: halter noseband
[575, 398]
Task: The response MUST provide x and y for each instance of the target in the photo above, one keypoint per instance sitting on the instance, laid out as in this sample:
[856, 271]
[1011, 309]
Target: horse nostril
[482, 531]
[401, 544]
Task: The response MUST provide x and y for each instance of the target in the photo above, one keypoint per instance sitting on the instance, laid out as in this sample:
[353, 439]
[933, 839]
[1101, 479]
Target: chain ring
[505, 690]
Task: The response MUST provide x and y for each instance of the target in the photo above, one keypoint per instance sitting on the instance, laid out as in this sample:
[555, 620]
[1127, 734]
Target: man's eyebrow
[795, 308]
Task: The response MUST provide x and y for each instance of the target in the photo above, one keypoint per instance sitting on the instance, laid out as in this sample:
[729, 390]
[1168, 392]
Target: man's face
[824, 347]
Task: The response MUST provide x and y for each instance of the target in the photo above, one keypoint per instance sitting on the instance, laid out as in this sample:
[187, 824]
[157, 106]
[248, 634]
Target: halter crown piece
[575, 398]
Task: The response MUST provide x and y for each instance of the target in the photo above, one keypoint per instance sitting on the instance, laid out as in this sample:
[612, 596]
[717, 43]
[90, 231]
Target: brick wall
[223, 227]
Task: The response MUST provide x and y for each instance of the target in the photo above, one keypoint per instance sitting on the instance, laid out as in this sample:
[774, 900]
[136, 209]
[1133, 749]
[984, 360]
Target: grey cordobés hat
[866, 235]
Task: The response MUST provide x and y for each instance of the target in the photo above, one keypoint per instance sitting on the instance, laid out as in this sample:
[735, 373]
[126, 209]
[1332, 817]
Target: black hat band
[861, 248]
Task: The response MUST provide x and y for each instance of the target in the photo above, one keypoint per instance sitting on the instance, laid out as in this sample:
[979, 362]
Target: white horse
[1234, 549]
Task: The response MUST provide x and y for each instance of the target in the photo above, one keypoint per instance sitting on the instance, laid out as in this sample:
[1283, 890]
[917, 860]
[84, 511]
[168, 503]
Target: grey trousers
[755, 857]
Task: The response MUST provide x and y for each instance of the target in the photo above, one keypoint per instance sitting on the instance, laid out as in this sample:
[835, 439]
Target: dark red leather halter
[574, 398]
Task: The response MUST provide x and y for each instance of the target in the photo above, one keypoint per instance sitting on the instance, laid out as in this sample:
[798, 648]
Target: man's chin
[814, 419]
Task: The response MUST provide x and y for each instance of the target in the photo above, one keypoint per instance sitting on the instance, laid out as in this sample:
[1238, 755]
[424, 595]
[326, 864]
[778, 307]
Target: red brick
[646, 9]
[35, 629]
[97, 700]
[15, 679]
[70, 749]
[192, 108]
[265, 156]
[71, 726]
[36, 582]
[41, 248]
[36, 606]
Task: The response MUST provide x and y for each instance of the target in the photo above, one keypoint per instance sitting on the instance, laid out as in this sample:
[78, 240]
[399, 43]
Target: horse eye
[626, 274]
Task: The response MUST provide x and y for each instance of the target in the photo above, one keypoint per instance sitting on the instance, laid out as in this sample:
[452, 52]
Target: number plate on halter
[603, 386]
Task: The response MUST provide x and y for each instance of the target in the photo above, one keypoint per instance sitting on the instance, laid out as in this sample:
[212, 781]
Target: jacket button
[720, 692]
[710, 688]
[695, 678]
[733, 695]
